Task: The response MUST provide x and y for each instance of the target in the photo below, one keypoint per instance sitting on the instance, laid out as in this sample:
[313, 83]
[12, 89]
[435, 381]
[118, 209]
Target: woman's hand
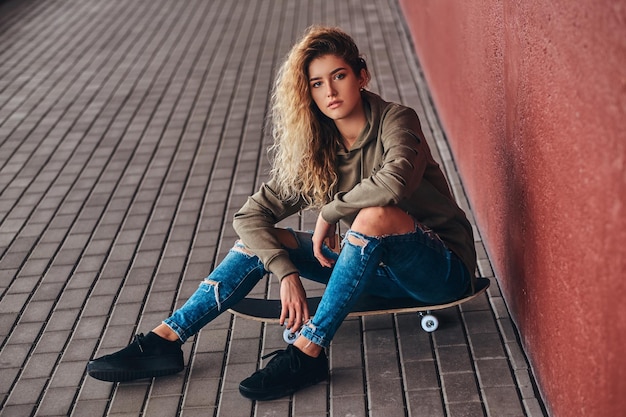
[323, 231]
[294, 307]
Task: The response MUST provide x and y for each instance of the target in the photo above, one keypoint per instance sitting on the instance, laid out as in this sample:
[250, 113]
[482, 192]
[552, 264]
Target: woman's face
[335, 88]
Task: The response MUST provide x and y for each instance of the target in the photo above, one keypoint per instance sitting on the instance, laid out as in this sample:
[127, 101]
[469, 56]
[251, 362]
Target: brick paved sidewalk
[130, 132]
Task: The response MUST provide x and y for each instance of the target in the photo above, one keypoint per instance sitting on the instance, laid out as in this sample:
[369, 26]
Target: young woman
[356, 158]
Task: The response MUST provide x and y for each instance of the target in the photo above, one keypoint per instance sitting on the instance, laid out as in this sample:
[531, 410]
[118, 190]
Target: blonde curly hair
[305, 140]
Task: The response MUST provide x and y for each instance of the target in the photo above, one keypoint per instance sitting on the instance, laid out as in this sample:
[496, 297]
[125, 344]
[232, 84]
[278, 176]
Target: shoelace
[276, 352]
[277, 361]
[138, 339]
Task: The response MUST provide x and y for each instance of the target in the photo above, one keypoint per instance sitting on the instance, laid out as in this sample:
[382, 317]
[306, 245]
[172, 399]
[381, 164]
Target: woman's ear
[363, 78]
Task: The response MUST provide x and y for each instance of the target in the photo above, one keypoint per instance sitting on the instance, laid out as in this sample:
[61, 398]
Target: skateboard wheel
[289, 336]
[429, 323]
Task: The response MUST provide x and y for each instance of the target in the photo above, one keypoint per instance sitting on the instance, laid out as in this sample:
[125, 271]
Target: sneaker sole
[277, 393]
[158, 366]
[123, 376]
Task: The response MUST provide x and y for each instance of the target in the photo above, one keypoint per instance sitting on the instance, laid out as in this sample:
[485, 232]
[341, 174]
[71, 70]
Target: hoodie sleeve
[254, 224]
[404, 162]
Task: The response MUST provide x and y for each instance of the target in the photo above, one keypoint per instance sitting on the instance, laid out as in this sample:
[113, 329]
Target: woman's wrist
[291, 276]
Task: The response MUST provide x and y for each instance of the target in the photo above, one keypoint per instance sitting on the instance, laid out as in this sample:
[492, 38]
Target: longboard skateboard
[269, 310]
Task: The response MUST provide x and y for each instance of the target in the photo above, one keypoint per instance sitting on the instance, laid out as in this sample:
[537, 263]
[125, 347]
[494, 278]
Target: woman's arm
[255, 223]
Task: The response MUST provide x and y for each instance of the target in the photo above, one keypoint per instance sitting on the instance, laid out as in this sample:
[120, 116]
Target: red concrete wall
[532, 95]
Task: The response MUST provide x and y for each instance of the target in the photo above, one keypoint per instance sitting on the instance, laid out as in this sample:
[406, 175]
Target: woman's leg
[305, 363]
[159, 353]
[233, 279]
[227, 284]
[357, 263]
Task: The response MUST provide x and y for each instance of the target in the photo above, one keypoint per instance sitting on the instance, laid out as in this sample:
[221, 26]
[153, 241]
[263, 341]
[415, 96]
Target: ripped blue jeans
[415, 264]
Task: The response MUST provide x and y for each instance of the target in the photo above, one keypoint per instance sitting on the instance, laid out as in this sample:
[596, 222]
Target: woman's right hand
[294, 308]
[324, 232]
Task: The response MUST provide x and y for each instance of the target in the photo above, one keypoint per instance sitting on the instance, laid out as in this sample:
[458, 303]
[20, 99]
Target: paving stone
[90, 408]
[523, 380]
[89, 327]
[235, 373]
[454, 359]
[25, 333]
[345, 382]
[56, 401]
[21, 284]
[201, 393]
[311, 401]
[162, 406]
[26, 391]
[480, 322]
[20, 410]
[93, 390]
[207, 365]
[212, 340]
[37, 311]
[231, 404]
[14, 303]
[40, 365]
[7, 379]
[499, 307]
[426, 403]
[68, 375]
[494, 372]
[389, 409]
[420, 375]
[460, 387]
[62, 320]
[487, 346]
[503, 401]
[199, 412]
[507, 330]
[516, 356]
[348, 406]
[450, 332]
[125, 314]
[129, 398]
[72, 298]
[533, 408]
[471, 409]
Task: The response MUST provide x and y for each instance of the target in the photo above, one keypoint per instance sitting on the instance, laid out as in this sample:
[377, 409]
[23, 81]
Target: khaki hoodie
[389, 164]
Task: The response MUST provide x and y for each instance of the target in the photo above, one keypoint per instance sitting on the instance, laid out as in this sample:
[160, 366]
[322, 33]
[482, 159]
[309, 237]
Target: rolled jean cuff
[308, 332]
[176, 329]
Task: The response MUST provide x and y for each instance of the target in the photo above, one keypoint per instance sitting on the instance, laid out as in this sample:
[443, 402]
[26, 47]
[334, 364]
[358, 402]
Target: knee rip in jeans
[356, 240]
[216, 291]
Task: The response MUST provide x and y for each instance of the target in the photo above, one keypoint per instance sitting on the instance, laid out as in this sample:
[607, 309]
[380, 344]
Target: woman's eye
[316, 84]
[340, 76]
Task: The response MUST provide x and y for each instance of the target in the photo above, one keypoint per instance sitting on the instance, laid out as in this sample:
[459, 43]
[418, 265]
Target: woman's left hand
[294, 308]
[323, 231]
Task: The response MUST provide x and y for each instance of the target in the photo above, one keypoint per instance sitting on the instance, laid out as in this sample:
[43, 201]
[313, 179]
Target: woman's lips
[334, 104]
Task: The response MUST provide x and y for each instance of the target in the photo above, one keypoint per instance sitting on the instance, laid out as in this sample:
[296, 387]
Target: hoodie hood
[373, 106]
[361, 159]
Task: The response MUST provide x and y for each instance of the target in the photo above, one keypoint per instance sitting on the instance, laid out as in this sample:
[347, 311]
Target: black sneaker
[287, 372]
[148, 356]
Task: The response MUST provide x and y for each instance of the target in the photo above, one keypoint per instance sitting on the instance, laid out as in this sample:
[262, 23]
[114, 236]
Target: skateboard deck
[269, 310]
